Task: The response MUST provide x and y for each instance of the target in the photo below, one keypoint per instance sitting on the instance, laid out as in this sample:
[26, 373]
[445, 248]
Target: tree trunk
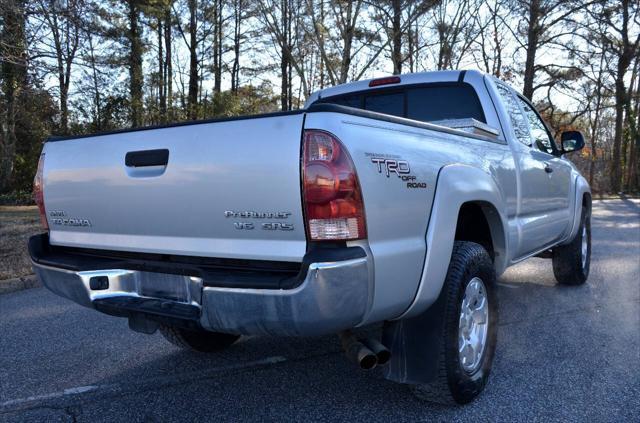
[135, 64]
[237, 33]
[617, 138]
[321, 42]
[65, 35]
[162, 99]
[62, 85]
[96, 84]
[284, 61]
[634, 134]
[168, 72]
[532, 46]
[634, 163]
[396, 54]
[596, 122]
[497, 62]
[13, 73]
[347, 38]
[192, 100]
[64, 107]
[217, 47]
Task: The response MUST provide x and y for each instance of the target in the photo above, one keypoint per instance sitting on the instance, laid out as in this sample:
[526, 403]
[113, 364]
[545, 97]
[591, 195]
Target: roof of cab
[406, 79]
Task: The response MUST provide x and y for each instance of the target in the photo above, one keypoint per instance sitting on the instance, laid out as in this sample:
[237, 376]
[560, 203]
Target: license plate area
[165, 286]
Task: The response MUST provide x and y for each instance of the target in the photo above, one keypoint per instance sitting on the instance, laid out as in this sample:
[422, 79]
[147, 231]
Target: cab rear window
[426, 103]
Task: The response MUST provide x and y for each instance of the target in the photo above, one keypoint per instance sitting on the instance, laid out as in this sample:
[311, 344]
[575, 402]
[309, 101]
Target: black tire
[454, 384]
[198, 340]
[567, 259]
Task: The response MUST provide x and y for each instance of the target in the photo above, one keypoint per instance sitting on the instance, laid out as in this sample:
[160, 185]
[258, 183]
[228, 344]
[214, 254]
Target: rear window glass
[349, 101]
[391, 104]
[426, 103]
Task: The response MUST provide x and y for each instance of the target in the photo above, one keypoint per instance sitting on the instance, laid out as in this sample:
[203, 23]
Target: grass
[17, 224]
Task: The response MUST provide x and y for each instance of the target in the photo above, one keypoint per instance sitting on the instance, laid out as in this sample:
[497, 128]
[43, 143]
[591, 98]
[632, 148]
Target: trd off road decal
[388, 165]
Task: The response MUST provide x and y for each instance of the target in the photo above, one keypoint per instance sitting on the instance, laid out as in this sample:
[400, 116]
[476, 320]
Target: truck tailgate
[229, 189]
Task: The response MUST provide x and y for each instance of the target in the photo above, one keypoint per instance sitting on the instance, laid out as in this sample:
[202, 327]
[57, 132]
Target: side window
[539, 133]
[518, 120]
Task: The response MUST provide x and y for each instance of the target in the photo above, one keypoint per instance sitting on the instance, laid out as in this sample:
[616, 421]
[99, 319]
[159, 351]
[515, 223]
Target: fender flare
[414, 337]
[581, 188]
[457, 185]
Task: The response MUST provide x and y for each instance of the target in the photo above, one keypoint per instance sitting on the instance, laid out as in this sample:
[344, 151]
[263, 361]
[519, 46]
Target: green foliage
[17, 198]
[248, 100]
[33, 125]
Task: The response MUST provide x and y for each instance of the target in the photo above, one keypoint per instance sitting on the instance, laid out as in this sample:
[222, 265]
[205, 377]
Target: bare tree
[543, 23]
[283, 22]
[456, 31]
[620, 18]
[134, 38]
[13, 72]
[63, 19]
[336, 50]
[193, 59]
[492, 37]
[168, 58]
[397, 17]
[239, 16]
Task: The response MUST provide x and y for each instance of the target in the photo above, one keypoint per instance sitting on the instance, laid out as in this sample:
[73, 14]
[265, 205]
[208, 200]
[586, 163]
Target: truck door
[546, 182]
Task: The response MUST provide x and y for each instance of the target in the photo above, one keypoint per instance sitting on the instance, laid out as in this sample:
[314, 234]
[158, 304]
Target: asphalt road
[564, 353]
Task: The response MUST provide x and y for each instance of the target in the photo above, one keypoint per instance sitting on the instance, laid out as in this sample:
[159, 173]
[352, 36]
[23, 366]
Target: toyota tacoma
[394, 201]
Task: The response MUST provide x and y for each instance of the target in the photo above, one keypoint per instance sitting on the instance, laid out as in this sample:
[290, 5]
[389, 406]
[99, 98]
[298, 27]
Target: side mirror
[571, 141]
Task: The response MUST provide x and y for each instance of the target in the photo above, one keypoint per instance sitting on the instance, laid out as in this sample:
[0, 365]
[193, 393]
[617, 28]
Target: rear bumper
[334, 294]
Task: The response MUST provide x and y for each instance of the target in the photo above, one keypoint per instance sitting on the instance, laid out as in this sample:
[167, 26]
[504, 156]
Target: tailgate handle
[147, 158]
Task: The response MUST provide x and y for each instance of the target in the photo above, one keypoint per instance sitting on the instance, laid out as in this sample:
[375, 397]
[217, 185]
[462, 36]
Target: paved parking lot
[564, 353]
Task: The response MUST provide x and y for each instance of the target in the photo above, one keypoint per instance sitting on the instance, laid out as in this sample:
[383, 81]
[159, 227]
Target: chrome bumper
[333, 296]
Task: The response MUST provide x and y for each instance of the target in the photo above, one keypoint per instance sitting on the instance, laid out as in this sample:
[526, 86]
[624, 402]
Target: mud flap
[415, 345]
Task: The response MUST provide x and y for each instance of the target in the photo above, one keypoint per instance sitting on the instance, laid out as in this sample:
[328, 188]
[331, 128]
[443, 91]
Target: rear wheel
[469, 333]
[198, 340]
[571, 262]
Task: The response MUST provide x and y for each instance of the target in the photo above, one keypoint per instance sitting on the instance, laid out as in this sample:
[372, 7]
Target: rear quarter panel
[398, 216]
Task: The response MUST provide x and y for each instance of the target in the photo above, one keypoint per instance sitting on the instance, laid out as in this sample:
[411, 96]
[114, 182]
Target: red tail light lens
[333, 203]
[38, 193]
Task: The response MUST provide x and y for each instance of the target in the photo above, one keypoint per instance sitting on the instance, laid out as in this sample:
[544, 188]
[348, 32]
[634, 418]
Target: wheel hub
[473, 325]
[585, 247]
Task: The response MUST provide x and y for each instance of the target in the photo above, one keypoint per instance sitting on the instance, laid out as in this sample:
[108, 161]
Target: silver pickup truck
[394, 201]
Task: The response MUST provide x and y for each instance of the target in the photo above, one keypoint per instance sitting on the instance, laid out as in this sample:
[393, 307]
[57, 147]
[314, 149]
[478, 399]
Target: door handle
[147, 158]
[548, 168]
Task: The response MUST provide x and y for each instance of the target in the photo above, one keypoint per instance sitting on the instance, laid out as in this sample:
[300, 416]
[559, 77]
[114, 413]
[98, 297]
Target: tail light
[333, 204]
[384, 81]
[38, 193]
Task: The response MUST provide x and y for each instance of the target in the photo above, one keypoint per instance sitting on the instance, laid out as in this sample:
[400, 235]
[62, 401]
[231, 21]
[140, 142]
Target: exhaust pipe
[357, 351]
[382, 353]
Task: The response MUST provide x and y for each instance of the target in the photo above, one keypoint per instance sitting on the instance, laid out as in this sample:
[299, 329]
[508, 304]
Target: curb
[18, 284]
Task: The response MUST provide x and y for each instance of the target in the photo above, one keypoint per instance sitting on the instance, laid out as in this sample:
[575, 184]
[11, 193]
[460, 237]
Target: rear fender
[457, 185]
[581, 189]
[414, 337]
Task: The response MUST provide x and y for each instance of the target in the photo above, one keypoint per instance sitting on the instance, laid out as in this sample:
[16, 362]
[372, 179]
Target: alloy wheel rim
[585, 247]
[473, 325]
